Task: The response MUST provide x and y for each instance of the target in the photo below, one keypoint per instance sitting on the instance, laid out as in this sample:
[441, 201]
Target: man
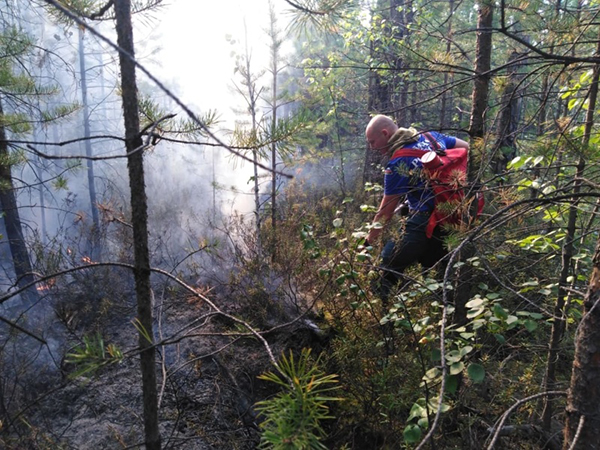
[402, 180]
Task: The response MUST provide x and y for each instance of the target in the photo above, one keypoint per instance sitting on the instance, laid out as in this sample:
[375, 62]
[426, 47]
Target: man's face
[378, 140]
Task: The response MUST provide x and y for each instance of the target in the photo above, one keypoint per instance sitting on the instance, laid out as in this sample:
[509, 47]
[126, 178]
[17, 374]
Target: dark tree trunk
[505, 148]
[139, 211]
[482, 69]
[447, 95]
[583, 403]
[476, 131]
[400, 17]
[12, 222]
[387, 94]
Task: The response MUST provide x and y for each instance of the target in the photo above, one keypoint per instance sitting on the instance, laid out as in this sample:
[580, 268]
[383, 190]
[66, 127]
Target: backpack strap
[434, 143]
[410, 152]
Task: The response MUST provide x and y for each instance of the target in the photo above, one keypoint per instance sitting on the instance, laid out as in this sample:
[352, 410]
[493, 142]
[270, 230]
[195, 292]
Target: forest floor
[207, 381]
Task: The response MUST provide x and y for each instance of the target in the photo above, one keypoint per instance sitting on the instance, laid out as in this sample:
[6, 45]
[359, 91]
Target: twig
[90, 158]
[578, 432]
[509, 411]
[102, 10]
[22, 330]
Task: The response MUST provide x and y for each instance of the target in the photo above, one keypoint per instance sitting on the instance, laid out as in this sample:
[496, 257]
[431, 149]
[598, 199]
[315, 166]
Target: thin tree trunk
[558, 326]
[39, 174]
[505, 146]
[400, 86]
[275, 45]
[482, 68]
[477, 133]
[446, 96]
[12, 221]
[139, 210]
[88, 148]
[384, 95]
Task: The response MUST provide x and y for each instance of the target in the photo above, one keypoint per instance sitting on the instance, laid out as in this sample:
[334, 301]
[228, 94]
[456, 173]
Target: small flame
[41, 287]
[87, 260]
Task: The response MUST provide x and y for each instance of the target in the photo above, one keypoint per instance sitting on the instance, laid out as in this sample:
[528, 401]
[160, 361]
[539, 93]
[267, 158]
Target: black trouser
[414, 247]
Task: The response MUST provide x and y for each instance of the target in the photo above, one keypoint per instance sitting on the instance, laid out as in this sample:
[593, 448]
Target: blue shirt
[403, 174]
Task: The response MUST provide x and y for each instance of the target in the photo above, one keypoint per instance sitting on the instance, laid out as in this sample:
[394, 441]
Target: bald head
[378, 132]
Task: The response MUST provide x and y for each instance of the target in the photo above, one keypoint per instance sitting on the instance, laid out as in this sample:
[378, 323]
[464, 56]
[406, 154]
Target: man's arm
[385, 213]
[461, 144]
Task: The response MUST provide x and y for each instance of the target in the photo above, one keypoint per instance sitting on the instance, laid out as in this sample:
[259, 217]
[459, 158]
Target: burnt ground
[207, 378]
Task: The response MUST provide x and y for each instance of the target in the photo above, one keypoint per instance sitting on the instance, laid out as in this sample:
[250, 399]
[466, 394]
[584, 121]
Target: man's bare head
[378, 132]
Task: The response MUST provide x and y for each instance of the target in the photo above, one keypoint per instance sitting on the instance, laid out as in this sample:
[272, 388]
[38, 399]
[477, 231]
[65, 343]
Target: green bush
[293, 416]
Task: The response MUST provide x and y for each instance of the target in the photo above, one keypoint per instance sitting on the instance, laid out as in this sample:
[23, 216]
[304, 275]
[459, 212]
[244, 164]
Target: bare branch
[509, 411]
[14, 325]
[578, 433]
[102, 10]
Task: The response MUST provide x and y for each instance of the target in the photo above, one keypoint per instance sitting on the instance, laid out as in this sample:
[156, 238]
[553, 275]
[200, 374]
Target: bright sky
[196, 53]
[196, 62]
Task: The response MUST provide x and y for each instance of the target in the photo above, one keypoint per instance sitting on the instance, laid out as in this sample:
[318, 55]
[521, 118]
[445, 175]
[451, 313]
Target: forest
[143, 307]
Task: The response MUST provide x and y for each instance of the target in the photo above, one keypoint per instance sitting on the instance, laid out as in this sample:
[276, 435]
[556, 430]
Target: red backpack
[446, 173]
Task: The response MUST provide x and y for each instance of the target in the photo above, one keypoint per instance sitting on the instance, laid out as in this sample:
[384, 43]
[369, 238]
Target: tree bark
[477, 132]
[447, 95]
[483, 63]
[385, 94]
[14, 232]
[139, 211]
[583, 402]
[505, 147]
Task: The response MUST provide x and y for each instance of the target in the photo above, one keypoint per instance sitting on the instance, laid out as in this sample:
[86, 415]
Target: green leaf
[501, 339]
[476, 372]
[566, 94]
[516, 162]
[452, 384]
[476, 302]
[511, 320]
[431, 374]
[417, 411]
[531, 325]
[338, 222]
[466, 350]
[453, 356]
[412, 434]
[585, 76]
[436, 354]
[477, 324]
[475, 312]
[499, 312]
[457, 368]
[573, 103]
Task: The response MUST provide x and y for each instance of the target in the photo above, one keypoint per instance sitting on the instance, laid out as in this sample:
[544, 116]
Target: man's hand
[385, 213]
